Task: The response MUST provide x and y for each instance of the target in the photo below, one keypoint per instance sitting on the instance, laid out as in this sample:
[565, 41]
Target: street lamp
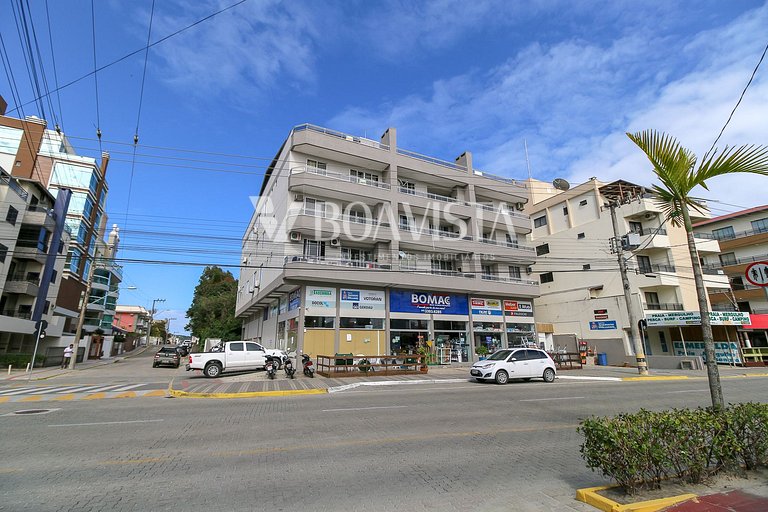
[152, 317]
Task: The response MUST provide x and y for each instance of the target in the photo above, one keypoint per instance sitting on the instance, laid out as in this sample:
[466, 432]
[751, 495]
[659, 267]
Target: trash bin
[602, 359]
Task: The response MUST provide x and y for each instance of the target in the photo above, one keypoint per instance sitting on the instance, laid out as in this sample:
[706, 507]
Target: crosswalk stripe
[81, 389]
[17, 391]
[126, 388]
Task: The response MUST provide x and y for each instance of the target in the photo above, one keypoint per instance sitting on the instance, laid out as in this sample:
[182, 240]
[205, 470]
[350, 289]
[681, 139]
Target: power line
[55, 73]
[95, 74]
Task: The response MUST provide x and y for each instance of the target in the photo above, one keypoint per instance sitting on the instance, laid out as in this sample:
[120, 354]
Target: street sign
[757, 273]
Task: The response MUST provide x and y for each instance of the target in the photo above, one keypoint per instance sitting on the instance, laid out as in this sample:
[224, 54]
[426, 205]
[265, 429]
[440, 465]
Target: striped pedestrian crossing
[76, 392]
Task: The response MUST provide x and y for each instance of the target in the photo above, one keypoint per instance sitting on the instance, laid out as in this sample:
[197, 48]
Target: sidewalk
[38, 374]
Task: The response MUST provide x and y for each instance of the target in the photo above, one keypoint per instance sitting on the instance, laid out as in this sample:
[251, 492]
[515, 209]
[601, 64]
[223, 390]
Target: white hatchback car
[515, 363]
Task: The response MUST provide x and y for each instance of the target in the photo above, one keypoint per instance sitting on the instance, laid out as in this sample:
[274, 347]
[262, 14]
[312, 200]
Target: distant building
[581, 288]
[743, 239]
[360, 246]
[133, 321]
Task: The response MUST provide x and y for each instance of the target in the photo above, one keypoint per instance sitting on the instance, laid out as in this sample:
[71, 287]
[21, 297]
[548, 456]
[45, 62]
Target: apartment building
[743, 239]
[30, 276]
[133, 321]
[581, 287]
[360, 246]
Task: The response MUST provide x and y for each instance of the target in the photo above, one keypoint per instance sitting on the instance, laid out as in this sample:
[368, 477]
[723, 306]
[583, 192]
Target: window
[3, 252]
[265, 316]
[487, 270]
[512, 240]
[725, 233]
[236, 347]
[314, 248]
[540, 221]
[314, 206]
[565, 210]
[361, 323]
[663, 341]
[253, 347]
[546, 277]
[580, 236]
[652, 300]
[317, 165]
[356, 256]
[514, 272]
[319, 322]
[405, 223]
[727, 258]
[357, 216]
[363, 176]
[448, 325]
[403, 323]
[586, 266]
[407, 187]
[443, 267]
[583, 202]
[53, 276]
[760, 226]
[12, 215]
[542, 249]
[636, 227]
[644, 264]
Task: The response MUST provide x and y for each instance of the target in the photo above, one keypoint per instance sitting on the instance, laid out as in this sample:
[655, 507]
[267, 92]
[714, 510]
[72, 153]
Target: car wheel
[479, 380]
[177, 365]
[502, 377]
[154, 365]
[212, 370]
[549, 375]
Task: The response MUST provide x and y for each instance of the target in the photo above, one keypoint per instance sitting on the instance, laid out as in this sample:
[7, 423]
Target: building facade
[359, 246]
[581, 287]
[743, 239]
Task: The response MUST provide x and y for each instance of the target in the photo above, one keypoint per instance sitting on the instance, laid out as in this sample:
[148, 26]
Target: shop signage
[601, 317]
[294, 299]
[490, 307]
[362, 303]
[321, 301]
[518, 308]
[679, 318]
[437, 303]
[724, 352]
[602, 325]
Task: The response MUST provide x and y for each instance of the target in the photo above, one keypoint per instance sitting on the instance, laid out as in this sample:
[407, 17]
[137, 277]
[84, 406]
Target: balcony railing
[738, 234]
[704, 236]
[432, 160]
[649, 231]
[24, 315]
[428, 195]
[663, 306]
[41, 209]
[354, 219]
[341, 177]
[341, 135]
[431, 232]
[494, 177]
[496, 209]
[319, 260]
[650, 269]
[724, 306]
[29, 277]
[511, 245]
[13, 185]
[503, 279]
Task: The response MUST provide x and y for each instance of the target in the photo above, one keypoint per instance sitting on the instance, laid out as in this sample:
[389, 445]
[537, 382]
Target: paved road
[442, 446]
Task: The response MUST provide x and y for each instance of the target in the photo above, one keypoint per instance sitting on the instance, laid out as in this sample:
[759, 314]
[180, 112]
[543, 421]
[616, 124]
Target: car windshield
[167, 351]
[499, 355]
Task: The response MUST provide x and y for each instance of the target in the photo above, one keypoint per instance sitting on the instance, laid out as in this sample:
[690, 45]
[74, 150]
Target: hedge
[640, 450]
[20, 360]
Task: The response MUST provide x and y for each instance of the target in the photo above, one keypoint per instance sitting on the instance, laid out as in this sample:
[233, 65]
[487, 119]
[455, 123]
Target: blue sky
[570, 78]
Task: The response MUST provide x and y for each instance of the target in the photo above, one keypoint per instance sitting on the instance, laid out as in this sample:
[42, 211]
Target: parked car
[182, 350]
[167, 356]
[516, 363]
[233, 356]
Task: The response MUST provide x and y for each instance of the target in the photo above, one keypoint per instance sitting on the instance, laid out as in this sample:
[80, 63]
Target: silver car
[515, 363]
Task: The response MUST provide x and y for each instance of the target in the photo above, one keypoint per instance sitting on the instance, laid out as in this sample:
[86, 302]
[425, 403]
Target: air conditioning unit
[519, 206]
[298, 197]
[529, 270]
[334, 242]
[649, 216]
[295, 236]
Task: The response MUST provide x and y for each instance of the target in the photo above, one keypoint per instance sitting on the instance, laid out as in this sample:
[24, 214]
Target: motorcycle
[270, 367]
[309, 370]
[289, 369]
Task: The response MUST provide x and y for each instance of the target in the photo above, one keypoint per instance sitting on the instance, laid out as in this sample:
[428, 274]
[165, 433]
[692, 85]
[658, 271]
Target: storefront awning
[757, 322]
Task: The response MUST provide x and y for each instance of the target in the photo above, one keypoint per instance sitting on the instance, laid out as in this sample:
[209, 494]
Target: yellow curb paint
[32, 398]
[590, 496]
[68, 396]
[127, 394]
[251, 394]
[95, 396]
[157, 392]
[4, 399]
[668, 377]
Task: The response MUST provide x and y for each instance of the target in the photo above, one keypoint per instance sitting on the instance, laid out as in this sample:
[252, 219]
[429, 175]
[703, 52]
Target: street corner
[592, 496]
[187, 389]
[650, 378]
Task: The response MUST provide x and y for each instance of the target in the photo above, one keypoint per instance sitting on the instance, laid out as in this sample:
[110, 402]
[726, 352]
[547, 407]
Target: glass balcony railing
[663, 306]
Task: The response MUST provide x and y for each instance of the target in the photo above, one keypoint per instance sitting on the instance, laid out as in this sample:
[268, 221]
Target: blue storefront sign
[294, 299]
[602, 325]
[350, 295]
[437, 303]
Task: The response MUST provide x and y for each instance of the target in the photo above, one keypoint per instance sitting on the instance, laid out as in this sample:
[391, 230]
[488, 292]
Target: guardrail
[341, 177]
[428, 195]
[432, 160]
[348, 365]
[663, 306]
[341, 135]
[502, 279]
[511, 245]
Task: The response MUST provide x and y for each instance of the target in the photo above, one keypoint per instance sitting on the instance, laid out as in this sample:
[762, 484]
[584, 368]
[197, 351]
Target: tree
[677, 169]
[212, 313]
[158, 329]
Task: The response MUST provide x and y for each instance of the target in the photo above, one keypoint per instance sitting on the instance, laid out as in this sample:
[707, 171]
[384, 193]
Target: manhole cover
[30, 411]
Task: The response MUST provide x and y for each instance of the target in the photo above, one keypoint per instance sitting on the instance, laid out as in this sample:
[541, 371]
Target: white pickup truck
[233, 356]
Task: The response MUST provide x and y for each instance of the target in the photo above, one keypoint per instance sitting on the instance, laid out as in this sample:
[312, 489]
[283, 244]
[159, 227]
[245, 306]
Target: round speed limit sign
[757, 273]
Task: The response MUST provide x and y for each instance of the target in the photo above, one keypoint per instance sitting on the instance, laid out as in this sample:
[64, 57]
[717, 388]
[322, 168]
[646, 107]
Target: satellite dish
[561, 184]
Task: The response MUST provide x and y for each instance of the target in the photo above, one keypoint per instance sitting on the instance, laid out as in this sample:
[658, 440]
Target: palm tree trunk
[713, 374]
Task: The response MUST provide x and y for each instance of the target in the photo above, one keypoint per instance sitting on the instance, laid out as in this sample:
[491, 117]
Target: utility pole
[152, 318]
[83, 308]
[636, 340]
[168, 328]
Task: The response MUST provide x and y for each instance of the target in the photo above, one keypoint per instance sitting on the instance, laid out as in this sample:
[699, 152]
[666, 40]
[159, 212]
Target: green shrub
[20, 360]
[640, 450]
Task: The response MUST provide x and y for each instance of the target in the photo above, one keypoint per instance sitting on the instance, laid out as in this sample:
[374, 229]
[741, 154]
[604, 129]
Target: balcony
[737, 266]
[663, 306]
[412, 237]
[511, 190]
[22, 315]
[319, 224]
[40, 216]
[653, 238]
[7, 179]
[740, 238]
[100, 283]
[115, 269]
[334, 185]
[23, 284]
[503, 279]
[420, 202]
[31, 251]
[339, 146]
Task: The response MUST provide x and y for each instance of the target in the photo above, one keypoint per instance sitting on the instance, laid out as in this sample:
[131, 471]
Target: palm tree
[679, 173]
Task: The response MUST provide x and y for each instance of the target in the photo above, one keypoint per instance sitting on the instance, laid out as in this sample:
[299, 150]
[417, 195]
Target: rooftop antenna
[527, 161]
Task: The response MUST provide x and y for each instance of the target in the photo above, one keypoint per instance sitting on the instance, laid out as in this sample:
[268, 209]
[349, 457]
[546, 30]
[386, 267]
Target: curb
[248, 394]
[650, 377]
[590, 496]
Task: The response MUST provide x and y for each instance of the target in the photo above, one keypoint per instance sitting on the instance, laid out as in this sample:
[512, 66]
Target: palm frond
[747, 158]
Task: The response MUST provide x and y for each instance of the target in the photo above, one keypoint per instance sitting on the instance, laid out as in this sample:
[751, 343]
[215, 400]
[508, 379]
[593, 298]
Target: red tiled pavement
[734, 501]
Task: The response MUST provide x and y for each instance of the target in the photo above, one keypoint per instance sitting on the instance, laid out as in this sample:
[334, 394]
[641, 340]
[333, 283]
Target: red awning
[758, 322]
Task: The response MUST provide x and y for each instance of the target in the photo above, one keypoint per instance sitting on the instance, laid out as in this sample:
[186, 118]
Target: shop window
[407, 323]
[448, 325]
[361, 323]
[320, 322]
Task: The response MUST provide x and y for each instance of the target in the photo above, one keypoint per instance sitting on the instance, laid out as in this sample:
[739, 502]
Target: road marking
[17, 391]
[126, 394]
[685, 391]
[549, 399]
[3, 399]
[367, 408]
[31, 398]
[574, 377]
[104, 423]
[70, 396]
[157, 392]
[346, 387]
[95, 396]
[126, 388]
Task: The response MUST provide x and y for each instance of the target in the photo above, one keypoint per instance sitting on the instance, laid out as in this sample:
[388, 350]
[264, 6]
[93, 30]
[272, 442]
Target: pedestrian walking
[67, 355]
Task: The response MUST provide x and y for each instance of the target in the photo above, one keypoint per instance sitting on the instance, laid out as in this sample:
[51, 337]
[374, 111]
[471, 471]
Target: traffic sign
[757, 273]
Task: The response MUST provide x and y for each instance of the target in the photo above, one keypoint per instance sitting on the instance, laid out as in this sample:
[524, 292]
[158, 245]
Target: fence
[567, 360]
[348, 365]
